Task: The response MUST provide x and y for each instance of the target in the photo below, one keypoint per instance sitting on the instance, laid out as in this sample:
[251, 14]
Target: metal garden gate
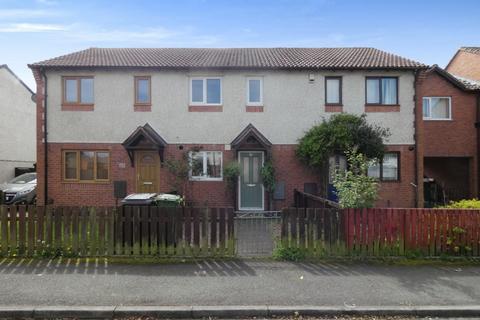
[256, 233]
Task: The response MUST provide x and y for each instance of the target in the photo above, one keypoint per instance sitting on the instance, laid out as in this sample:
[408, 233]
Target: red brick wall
[456, 137]
[400, 194]
[213, 193]
[452, 138]
[465, 64]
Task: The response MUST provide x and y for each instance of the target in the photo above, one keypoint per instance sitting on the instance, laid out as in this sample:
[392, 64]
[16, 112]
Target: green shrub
[355, 189]
[339, 133]
[289, 254]
[231, 172]
[463, 204]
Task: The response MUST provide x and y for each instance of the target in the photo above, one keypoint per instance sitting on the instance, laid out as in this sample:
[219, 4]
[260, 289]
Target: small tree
[355, 189]
[267, 172]
[231, 172]
[179, 173]
[340, 133]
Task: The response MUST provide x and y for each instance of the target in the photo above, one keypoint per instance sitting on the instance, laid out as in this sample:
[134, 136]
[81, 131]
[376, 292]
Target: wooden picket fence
[382, 231]
[108, 231]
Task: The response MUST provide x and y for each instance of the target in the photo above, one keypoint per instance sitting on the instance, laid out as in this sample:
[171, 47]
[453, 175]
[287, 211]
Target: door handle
[148, 182]
[251, 184]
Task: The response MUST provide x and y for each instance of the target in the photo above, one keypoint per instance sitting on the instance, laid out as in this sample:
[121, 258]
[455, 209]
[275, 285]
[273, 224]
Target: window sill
[253, 108]
[334, 108]
[77, 107]
[206, 179]
[437, 119]
[205, 108]
[142, 107]
[382, 108]
[85, 182]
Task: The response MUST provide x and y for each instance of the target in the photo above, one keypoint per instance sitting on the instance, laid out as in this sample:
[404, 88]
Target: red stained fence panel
[382, 231]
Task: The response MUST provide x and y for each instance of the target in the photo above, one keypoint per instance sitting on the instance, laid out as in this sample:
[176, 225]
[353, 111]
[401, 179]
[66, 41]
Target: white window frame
[250, 103]
[204, 82]
[430, 110]
[203, 177]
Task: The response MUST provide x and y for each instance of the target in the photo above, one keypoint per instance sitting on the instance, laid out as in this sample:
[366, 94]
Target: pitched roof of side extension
[475, 50]
[462, 83]
[232, 58]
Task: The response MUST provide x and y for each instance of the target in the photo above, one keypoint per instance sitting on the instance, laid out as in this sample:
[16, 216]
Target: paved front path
[235, 283]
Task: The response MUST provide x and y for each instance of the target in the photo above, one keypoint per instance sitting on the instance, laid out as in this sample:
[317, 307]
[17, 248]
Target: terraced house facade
[109, 117]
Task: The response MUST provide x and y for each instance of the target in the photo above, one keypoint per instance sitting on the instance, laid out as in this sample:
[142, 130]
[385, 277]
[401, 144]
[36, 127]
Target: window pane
[213, 90]
[374, 169]
[86, 165]
[214, 164]
[390, 166]
[254, 88]
[71, 90]
[333, 91]
[143, 88]
[246, 169]
[197, 164]
[373, 91]
[389, 91]
[197, 90]
[70, 165]
[426, 108]
[86, 90]
[439, 108]
[255, 169]
[102, 165]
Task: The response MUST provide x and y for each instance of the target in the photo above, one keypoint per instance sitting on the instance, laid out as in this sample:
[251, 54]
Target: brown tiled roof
[475, 50]
[261, 58]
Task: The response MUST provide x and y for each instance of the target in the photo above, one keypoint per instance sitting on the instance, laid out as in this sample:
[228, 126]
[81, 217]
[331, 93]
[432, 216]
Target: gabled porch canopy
[251, 139]
[144, 138]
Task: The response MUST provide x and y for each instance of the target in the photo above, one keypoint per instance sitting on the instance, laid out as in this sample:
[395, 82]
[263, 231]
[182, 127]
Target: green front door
[251, 188]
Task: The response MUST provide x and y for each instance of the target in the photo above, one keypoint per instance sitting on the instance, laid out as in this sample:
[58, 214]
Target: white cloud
[31, 27]
[25, 13]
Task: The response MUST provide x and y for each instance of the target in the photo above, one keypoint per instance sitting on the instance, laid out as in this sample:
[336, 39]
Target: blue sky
[428, 31]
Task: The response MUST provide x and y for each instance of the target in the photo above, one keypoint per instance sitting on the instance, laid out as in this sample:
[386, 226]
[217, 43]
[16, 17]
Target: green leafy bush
[338, 134]
[267, 172]
[355, 189]
[288, 254]
[463, 204]
[231, 172]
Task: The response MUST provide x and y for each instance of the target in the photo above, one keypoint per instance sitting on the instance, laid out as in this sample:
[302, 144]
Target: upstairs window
[206, 91]
[387, 169]
[78, 90]
[333, 90]
[254, 91]
[206, 165]
[437, 108]
[142, 90]
[382, 90]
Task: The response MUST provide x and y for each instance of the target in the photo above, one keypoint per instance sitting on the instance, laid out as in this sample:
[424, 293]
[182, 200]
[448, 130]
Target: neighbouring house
[118, 117]
[448, 125]
[466, 63]
[18, 129]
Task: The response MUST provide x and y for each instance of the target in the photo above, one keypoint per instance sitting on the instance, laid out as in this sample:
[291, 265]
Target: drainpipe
[477, 125]
[415, 136]
[45, 137]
